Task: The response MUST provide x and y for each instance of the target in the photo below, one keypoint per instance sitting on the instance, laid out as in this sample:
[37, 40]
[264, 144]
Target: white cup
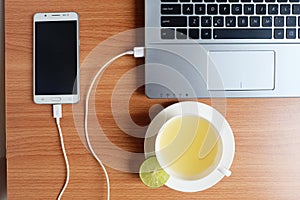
[213, 148]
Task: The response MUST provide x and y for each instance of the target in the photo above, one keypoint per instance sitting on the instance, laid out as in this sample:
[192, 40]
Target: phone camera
[45, 15]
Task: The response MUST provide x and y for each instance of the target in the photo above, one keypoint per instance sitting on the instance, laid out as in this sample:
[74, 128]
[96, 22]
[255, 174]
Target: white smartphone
[56, 58]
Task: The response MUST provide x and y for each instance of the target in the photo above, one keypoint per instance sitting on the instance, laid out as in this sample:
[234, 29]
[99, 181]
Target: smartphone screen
[55, 59]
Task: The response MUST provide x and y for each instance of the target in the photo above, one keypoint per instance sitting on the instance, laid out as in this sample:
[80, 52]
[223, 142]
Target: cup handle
[224, 171]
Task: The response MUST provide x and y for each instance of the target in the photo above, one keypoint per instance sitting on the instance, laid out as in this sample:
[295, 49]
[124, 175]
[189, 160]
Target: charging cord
[57, 114]
[137, 52]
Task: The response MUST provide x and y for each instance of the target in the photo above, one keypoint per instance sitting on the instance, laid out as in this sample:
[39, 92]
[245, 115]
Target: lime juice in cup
[188, 146]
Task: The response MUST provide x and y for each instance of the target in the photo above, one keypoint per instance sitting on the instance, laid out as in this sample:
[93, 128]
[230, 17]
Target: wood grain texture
[266, 164]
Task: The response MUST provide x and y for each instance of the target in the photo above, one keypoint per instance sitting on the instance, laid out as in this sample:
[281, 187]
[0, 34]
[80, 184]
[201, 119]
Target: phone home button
[56, 99]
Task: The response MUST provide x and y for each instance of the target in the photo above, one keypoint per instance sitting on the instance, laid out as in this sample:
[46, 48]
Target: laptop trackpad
[241, 70]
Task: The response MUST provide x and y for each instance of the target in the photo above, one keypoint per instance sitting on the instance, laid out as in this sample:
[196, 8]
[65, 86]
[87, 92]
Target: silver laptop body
[264, 61]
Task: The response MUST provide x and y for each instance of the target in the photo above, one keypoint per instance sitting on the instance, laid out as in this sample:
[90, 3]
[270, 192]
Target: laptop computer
[3, 192]
[222, 48]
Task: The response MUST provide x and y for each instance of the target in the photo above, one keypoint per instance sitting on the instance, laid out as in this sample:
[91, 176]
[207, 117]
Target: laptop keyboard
[230, 19]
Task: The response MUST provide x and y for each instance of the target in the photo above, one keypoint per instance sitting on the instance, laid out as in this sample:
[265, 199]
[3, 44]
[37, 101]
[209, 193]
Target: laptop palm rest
[240, 70]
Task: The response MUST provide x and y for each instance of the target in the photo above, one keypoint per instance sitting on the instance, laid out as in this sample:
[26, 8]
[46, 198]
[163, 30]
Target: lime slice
[152, 174]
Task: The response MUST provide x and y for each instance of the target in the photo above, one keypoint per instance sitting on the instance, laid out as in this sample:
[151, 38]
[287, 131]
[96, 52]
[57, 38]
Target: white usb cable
[138, 52]
[57, 114]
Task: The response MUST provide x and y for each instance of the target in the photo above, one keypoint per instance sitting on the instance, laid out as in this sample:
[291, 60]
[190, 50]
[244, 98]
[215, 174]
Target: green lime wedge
[152, 174]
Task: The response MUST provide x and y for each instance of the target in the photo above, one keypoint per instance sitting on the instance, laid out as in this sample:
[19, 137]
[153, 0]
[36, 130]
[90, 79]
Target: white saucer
[208, 113]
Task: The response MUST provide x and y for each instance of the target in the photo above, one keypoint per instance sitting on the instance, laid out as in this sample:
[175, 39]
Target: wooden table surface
[267, 159]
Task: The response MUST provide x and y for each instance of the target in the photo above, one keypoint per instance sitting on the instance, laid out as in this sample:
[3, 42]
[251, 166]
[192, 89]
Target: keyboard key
[197, 0]
[285, 9]
[242, 21]
[245, 0]
[299, 33]
[167, 34]
[205, 33]
[218, 21]
[291, 33]
[279, 21]
[188, 9]
[296, 9]
[194, 21]
[242, 33]
[230, 21]
[206, 21]
[173, 21]
[248, 9]
[298, 21]
[233, 0]
[261, 9]
[224, 9]
[268, 1]
[169, 0]
[174, 9]
[254, 21]
[185, 0]
[212, 9]
[181, 34]
[221, 1]
[267, 21]
[236, 9]
[200, 9]
[290, 21]
[282, 0]
[257, 1]
[294, 1]
[273, 9]
[279, 33]
[210, 1]
[194, 34]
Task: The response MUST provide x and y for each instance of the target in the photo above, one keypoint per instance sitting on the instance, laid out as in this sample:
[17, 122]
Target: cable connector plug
[139, 52]
[57, 112]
